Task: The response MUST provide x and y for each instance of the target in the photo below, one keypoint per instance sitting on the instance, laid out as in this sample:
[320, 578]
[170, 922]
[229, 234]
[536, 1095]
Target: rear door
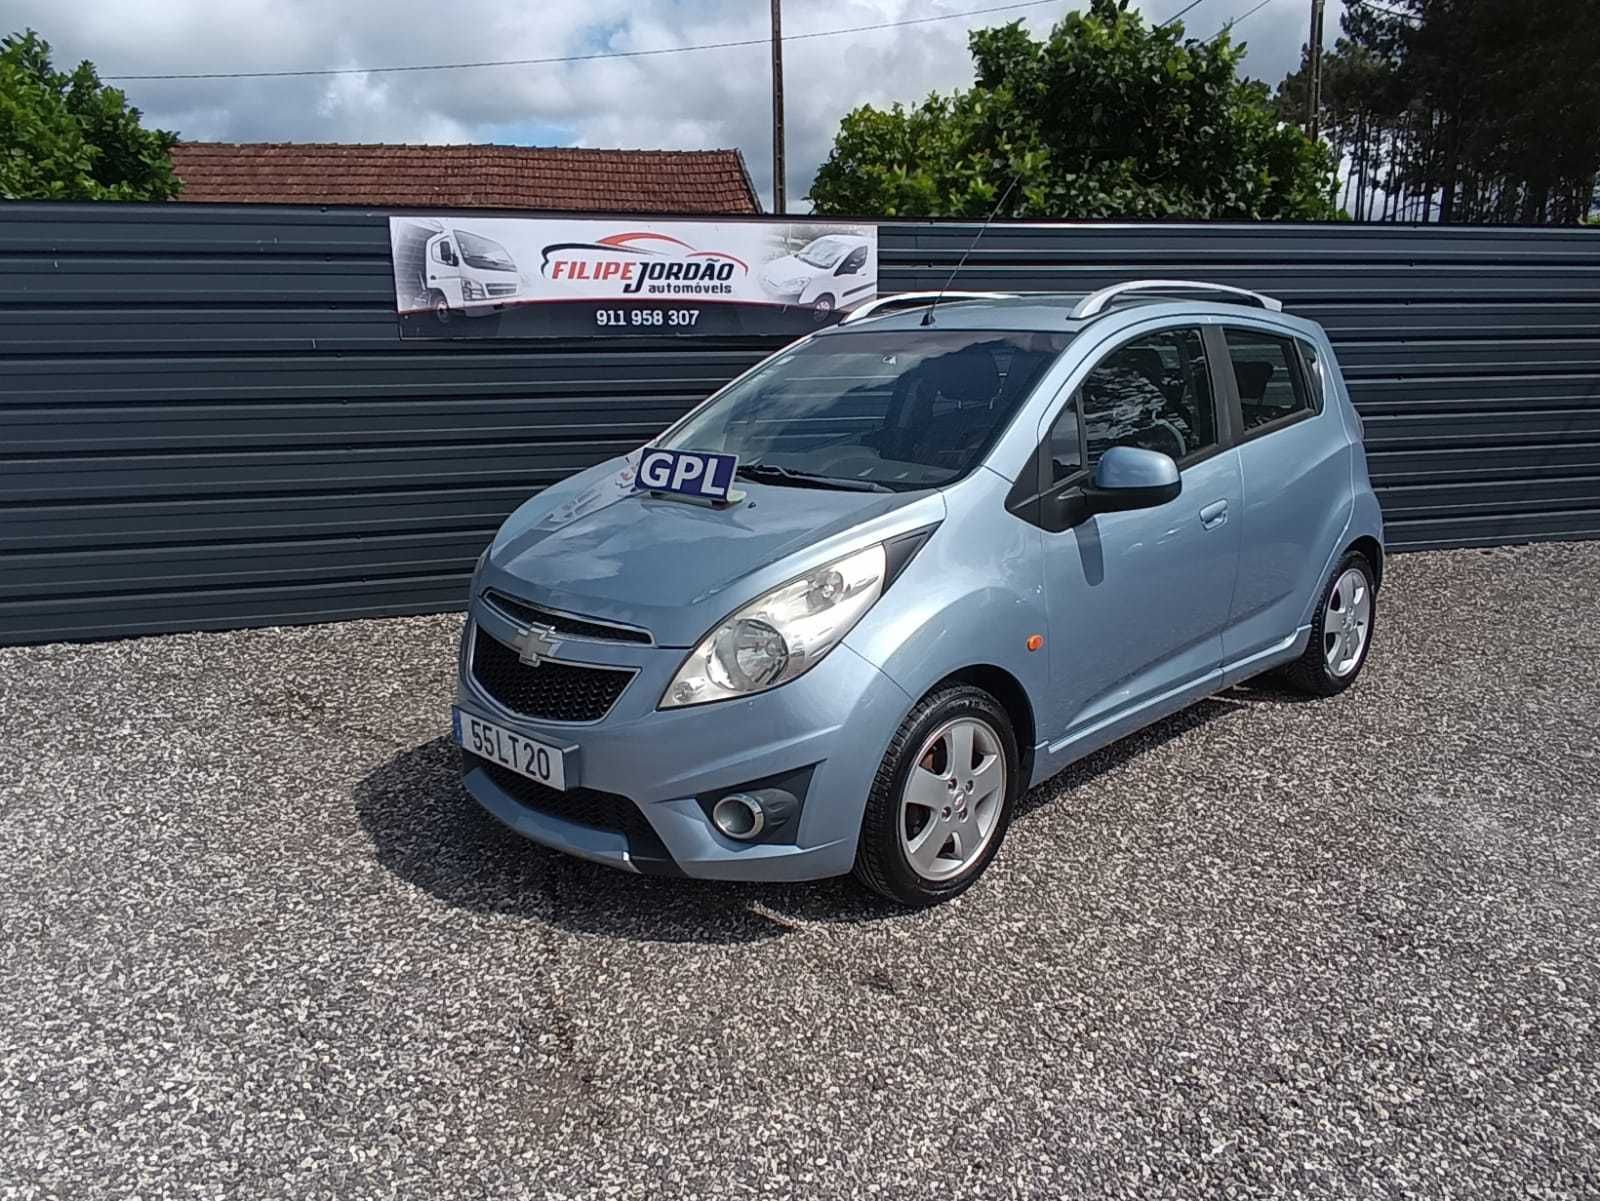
[1294, 458]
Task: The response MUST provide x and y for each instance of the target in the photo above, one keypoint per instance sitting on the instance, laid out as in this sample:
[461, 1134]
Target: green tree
[70, 137]
[1465, 110]
[1107, 117]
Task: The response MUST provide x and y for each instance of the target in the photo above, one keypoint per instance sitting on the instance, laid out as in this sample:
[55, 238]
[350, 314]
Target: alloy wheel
[951, 803]
[1346, 622]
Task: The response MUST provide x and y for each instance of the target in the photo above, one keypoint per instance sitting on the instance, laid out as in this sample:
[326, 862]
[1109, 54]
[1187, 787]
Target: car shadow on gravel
[1108, 759]
[429, 832]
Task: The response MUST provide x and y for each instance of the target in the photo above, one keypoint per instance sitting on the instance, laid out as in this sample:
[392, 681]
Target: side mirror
[1128, 477]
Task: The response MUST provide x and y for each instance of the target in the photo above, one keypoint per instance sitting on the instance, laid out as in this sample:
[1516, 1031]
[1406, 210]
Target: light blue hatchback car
[971, 542]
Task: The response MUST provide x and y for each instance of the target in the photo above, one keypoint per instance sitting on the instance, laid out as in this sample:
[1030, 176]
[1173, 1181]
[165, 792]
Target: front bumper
[836, 720]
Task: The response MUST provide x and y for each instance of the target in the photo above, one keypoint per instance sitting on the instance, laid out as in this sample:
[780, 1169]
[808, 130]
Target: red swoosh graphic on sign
[624, 239]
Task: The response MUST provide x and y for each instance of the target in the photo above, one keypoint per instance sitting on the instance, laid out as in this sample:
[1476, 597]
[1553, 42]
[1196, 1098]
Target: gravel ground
[255, 942]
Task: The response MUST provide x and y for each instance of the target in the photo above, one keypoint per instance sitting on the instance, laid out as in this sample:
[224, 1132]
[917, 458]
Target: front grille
[551, 691]
[502, 289]
[585, 806]
[561, 623]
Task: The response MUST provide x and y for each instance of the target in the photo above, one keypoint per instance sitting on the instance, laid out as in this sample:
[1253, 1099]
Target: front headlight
[782, 634]
[471, 289]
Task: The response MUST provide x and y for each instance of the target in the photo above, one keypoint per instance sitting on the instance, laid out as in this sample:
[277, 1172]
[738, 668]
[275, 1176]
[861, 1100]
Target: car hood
[593, 547]
[788, 267]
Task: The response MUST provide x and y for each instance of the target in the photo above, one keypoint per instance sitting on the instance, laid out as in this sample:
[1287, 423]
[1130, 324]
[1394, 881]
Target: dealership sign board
[458, 276]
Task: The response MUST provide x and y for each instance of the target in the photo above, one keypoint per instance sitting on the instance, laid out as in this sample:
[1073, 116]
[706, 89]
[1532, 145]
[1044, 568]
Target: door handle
[1214, 514]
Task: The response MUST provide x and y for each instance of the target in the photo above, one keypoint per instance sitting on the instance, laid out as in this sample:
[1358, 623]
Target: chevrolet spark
[961, 544]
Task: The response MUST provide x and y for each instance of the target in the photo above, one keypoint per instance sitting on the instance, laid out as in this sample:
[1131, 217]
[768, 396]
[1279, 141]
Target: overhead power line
[1180, 12]
[580, 58]
[1388, 12]
[1232, 21]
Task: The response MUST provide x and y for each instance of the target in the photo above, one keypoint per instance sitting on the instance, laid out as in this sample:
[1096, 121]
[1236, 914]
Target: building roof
[522, 177]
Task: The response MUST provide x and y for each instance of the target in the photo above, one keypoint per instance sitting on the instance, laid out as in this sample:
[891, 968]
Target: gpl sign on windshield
[691, 473]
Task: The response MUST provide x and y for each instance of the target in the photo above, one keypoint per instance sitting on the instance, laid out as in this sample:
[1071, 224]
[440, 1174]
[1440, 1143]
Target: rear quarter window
[1313, 362]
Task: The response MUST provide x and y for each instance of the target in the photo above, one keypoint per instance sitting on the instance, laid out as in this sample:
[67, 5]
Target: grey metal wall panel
[210, 419]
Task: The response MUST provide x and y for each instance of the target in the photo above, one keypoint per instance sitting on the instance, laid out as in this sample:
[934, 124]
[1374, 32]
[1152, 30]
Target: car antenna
[927, 316]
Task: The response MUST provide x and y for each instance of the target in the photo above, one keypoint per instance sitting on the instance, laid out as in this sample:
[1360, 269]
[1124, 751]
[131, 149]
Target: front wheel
[1341, 631]
[942, 799]
[822, 306]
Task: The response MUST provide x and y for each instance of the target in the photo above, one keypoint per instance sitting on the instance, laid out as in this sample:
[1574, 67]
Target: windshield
[824, 252]
[903, 410]
[482, 253]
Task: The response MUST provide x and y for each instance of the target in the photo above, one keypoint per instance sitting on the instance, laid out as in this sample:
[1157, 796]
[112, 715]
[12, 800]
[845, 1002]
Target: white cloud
[677, 101]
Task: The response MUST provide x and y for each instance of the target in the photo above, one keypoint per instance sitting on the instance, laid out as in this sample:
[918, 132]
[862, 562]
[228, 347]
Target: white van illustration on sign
[456, 271]
[835, 271]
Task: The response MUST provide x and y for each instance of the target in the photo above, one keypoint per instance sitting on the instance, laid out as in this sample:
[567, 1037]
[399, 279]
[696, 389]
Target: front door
[444, 269]
[1138, 600]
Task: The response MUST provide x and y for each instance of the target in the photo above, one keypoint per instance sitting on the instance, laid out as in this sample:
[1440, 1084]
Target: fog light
[740, 816]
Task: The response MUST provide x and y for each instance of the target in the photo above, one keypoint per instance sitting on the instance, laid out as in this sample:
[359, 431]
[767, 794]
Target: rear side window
[1266, 371]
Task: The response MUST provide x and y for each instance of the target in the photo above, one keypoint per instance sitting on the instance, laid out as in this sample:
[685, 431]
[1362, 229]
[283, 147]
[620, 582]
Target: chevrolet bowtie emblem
[534, 645]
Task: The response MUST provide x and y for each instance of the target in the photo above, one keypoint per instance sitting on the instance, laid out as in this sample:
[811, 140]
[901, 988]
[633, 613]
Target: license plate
[517, 752]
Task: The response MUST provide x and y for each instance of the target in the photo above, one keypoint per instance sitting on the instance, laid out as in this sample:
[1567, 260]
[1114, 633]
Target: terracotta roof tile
[519, 177]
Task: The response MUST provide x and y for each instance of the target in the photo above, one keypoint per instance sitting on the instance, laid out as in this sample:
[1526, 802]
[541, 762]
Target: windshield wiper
[772, 473]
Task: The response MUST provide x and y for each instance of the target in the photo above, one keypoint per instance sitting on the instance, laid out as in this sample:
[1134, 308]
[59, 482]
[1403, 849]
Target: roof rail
[1096, 302]
[899, 299]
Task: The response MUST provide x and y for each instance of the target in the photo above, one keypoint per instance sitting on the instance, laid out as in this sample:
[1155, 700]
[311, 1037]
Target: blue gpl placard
[687, 472]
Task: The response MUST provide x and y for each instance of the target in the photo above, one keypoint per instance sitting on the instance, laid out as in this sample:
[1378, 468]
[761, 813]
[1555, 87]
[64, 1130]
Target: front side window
[1064, 445]
[895, 410]
[1265, 371]
[1154, 393]
[482, 253]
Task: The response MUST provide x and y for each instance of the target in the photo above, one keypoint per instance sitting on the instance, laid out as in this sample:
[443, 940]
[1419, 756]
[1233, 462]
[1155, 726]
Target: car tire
[894, 822]
[1349, 601]
[441, 308]
[823, 305]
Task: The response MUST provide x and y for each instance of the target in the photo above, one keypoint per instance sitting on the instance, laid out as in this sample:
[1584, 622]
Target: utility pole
[778, 107]
[1313, 73]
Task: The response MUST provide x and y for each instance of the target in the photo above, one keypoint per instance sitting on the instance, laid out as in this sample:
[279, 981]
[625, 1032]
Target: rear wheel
[1341, 631]
[942, 798]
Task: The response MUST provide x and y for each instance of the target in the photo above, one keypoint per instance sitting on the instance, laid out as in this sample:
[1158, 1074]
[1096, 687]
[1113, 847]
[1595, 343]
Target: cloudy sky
[699, 99]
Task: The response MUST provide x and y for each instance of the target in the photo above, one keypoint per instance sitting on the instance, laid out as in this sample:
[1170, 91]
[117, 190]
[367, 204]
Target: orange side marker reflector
[1035, 641]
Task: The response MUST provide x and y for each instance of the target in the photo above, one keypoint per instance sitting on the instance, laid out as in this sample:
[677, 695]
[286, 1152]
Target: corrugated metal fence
[210, 420]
